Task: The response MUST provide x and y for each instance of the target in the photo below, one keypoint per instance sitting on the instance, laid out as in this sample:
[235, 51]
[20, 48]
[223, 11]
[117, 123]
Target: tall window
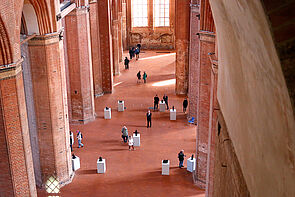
[161, 13]
[139, 13]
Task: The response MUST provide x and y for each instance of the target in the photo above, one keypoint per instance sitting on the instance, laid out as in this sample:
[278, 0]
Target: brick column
[120, 30]
[207, 45]
[182, 34]
[77, 30]
[193, 93]
[212, 125]
[95, 48]
[115, 32]
[16, 163]
[48, 77]
[105, 45]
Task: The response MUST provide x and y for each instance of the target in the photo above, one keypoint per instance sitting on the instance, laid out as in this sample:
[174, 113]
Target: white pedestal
[136, 139]
[162, 106]
[76, 163]
[107, 113]
[172, 114]
[191, 164]
[121, 106]
[165, 168]
[101, 166]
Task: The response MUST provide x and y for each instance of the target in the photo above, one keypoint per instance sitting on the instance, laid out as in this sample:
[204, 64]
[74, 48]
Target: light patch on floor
[158, 56]
[164, 83]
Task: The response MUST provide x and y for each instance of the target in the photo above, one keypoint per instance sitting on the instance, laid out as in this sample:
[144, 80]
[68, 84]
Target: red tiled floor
[136, 173]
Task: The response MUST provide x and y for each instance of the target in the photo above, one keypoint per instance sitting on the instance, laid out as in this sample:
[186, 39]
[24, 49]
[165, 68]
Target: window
[139, 13]
[161, 13]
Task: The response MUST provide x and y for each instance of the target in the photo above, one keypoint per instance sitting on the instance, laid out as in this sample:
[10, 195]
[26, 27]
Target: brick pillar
[212, 126]
[16, 163]
[120, 30]
[115, 37]
[182, 34]
[77, 30]
[207, 41]
[193, 93]
[49, 89]
[95, 48]
[105, 45]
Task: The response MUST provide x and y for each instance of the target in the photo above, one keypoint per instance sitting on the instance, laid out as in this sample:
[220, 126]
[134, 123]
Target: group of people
[157, 99]
[127, 138]
[144, 76]
[134, 51]
[79, 138]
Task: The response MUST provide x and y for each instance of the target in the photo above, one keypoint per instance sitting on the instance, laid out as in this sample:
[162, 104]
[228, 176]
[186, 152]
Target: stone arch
[5, 48]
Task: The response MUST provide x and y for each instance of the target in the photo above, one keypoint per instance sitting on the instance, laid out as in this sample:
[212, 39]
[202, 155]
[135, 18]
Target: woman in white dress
[130, 142]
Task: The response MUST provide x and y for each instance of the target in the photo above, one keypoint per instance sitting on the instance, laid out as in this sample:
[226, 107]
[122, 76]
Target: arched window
[139, 13]
[161, 13]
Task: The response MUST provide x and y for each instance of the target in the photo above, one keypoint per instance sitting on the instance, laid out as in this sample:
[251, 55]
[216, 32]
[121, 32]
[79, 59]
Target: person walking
[126, 63]
[137, 53]
[130, 53]
[144, 76]
[80, 137]
[124, 134]
[138, 77]
[181, 158]
[184, 105]
[149, 119]
[71, 140]
[156, 102]
[130, 143]
[165, 98]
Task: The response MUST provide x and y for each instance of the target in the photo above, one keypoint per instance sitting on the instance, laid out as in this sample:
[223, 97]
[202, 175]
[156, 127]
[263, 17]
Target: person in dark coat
[165, 98]
[130, 53]
[184, 105]
[137, 53]
[149, 119]
[126, 63]
[138, 46]
[156, 102]
[133, 51]
[138, 77]
[181, 158]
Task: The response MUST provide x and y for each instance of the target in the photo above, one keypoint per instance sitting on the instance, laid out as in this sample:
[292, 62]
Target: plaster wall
[254, 99]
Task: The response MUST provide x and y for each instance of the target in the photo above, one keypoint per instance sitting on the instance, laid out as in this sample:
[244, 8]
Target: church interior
[217, 78]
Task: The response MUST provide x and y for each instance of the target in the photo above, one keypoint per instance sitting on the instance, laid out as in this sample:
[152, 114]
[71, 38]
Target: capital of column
[11, 70]
[115, 22]
[45, 39]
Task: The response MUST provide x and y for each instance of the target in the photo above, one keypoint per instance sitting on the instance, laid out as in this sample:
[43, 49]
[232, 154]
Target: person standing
[124, 134]
[149, 119]
[138, 77]
[137, 53]
[130, 53]
[181, 158]
[126, 63]
[130, 143]
[80, 137]
[144, 76]
[138, 46]
[71, 140]
[133, 51]
[184, 105]
[156, 102]
[165, 98]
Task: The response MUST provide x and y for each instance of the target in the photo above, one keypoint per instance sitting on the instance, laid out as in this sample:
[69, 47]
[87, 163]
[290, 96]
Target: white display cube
[121, 106]
[162, 106]
[76, 163]
[172, 114]
[191, 164]
[136, 139]
[107, 113]
[165, 168]
[101, 166]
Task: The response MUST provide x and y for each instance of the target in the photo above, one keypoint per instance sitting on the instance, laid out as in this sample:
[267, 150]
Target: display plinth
[136, 139]
[107, 113]
[191, 164]
[165, 168]
[172, 114]
[76, 163]
[162, 106]
[101, 166]
[120, 105]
